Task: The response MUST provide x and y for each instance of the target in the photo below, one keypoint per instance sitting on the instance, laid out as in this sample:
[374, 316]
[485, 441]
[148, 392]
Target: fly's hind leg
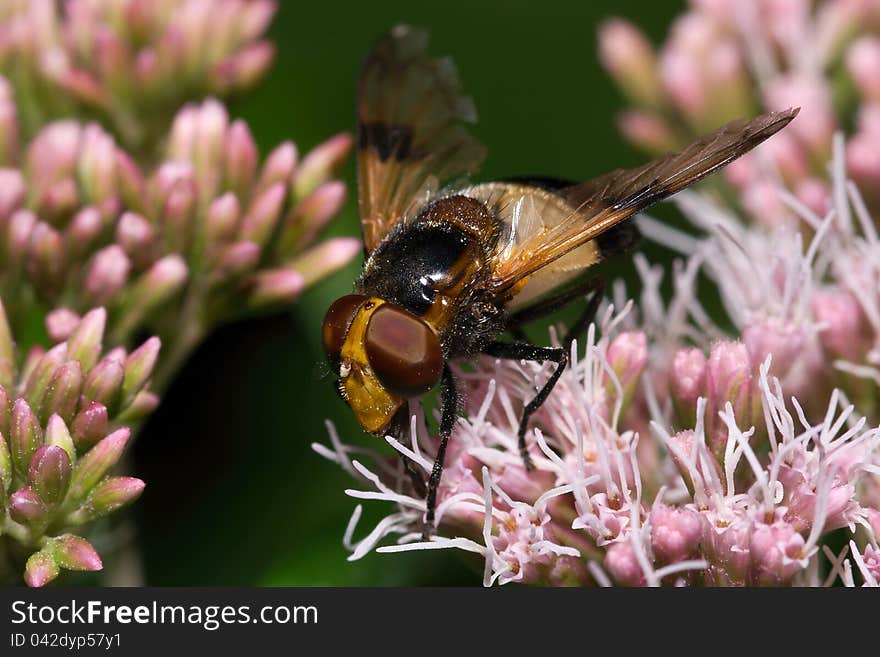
[526, 351]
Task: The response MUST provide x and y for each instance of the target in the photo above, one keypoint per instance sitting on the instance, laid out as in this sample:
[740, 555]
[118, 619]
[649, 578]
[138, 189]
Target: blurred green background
[235, 495]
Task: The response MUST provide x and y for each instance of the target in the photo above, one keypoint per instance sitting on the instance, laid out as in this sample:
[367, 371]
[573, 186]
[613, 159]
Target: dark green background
[235, 495]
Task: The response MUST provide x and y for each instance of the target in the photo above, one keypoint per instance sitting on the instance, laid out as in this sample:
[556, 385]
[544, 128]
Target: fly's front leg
[526, 351]
[449, 401]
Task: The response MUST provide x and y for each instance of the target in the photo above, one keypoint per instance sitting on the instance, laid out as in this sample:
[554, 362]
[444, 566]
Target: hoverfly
[450, 268]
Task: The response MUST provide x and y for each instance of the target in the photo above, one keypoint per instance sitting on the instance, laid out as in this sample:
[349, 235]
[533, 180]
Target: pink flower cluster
[208, 234]
[65, 418]
[131, 204]
[673, 452]
[723, 59]
[130, 62]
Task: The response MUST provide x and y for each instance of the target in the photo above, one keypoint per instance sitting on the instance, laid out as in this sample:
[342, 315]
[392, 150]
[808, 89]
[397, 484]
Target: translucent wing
[410, 134]
[537, 239]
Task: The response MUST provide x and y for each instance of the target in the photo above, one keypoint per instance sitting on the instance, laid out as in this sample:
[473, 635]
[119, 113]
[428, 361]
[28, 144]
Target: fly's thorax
[430, 264]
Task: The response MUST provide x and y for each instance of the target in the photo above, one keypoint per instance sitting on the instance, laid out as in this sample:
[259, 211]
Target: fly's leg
[449, 401]
[526, 351]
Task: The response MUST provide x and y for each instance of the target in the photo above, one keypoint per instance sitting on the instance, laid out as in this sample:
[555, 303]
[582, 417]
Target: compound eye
[336, 323]
[404, 352]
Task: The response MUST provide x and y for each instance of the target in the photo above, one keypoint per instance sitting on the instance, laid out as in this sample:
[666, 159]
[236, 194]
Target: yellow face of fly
[373, 405]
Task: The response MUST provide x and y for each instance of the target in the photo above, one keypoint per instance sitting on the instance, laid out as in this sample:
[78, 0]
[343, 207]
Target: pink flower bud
[62, 392]
[107, 274]
[279, 166]
[131, 180]
[46, 257]
[726, 544]
[627, 355]
[862, 62]
[74, 553]
[815, 194]
[862, 157]
[25, 435]
[675, 533]
[622, 564]
[728, 373]
[183, 133]
[58, 200]
[683, 82]
[846, 334]
[92, 467]
[139, 367]
[245, 67]
[777, 552]
[40, 569]
[5, 466]
[170, 176]
[326, 258]
[85, 343]
[629, 58]
[52, 153]
[11, 192]
[145, 402]
[83, 231]
[49, 473]
[816, 122]
[146, 68]
[103, 382]
[871, 562]
[112, 494]
[648, 131]
[41, 372]
[237, 259]
[83, 87]
[8, 124]
[276, 286]
[254, 18]
[240, 158]
[696, 473]
[319, 164]
[310, 216]
[18, 236]
[688, 378]
[762, 202]
[223, 218]
[57, 435]
[26, 507]
[7, 350]
[136, 236]
[212, 123]
[262, 216]
[97, 164]
[769, 336]
[90, 425]
[157, 285]
[60, 324]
